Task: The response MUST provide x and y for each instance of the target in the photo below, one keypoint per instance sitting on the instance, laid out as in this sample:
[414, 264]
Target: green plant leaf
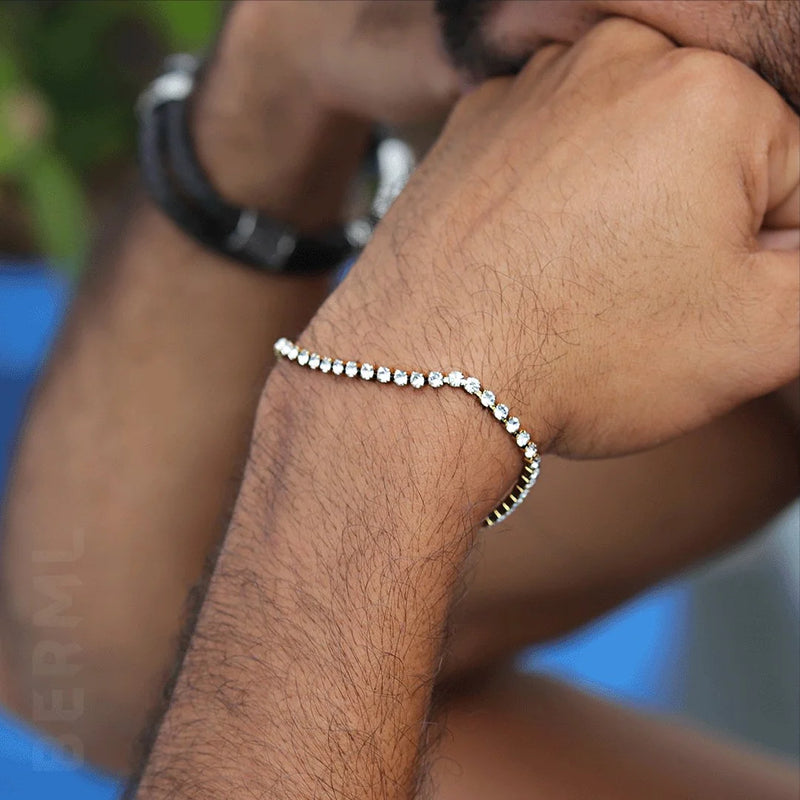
[187, 24]
[57, 203]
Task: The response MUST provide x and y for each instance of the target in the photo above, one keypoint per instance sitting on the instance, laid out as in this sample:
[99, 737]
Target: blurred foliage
[70, 71]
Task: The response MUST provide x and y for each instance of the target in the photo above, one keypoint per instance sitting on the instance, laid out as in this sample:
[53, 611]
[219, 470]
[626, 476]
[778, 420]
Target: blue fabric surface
[33, 769]
[629, 654]
[633, 654]
[32, 303]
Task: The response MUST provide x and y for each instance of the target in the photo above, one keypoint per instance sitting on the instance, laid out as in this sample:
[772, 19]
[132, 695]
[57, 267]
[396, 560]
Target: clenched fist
[585, 239]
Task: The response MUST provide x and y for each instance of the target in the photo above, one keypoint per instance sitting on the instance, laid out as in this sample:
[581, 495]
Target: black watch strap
[180, 186]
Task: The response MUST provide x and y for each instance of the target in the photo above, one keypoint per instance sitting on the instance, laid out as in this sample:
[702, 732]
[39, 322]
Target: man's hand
[383, 61]
[291, 77]
[583, 238]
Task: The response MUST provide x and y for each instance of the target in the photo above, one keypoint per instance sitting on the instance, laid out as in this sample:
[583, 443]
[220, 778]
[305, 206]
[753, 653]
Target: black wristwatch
[180, 186]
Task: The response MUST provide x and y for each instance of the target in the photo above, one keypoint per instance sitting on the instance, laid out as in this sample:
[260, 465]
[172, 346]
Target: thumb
[782, 200]
[771, 313]
[784, 212]
[771, 318]
[781, 239]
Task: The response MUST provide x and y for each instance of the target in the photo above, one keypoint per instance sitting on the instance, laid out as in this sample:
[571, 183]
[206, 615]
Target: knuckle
[707, 82]
[616, 35]
[477, 102]
[542, 60]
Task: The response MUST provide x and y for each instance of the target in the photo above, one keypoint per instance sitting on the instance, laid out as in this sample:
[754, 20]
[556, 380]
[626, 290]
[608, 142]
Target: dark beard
[773, 38]
[776, 45]
[462, 32]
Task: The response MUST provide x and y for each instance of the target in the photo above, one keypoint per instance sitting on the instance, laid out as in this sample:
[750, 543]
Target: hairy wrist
[312, 665]
[427, 460]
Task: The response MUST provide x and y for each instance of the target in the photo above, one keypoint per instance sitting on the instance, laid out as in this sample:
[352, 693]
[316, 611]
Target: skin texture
[117, 325]
[541, 740]
[325, 690]
[598, 532]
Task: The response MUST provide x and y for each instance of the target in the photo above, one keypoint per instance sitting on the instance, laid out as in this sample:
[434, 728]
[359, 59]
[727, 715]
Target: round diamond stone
[531, 452]
[487, 398]
[302, 357]
[456, 378]
[325, 365]
[338, 367]
[294, 351]
[367, 372]
[512, 426]
[400, 377]
[417, 380]
[435, 379]
[351, 369]
[313, 360]
[500, 412]
[472, 385]
[523, 437]
[384, 374]
[281, 346]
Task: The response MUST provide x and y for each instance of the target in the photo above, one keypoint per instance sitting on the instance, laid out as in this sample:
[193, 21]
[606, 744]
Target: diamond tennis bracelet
[284, 348]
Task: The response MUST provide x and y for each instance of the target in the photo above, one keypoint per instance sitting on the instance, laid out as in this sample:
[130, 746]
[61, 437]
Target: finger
[783, 195]
[776, 148]
[619, 43]
[477, 106]
[786, 213]
[781, 239]
[541, 63]
[769, 345]
[617, 46]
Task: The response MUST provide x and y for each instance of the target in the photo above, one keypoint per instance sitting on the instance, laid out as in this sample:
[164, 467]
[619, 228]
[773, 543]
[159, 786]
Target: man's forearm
[133, 449]
[312, 664]
[129, 458]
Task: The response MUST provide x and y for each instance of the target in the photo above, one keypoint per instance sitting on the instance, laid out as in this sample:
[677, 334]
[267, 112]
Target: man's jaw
[486, 38]
[490, 38]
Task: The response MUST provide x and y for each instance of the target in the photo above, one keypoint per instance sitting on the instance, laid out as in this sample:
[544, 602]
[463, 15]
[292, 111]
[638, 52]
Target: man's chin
[463, 25]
